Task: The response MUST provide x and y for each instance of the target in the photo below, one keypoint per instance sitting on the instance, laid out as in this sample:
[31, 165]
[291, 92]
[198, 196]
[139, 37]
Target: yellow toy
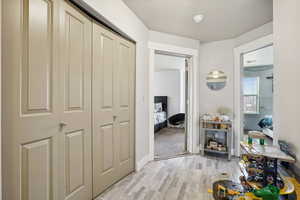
[224, 193]
[226, 190]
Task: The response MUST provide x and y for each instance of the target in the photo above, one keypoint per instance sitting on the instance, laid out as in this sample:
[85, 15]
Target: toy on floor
[270, 192]
[261, 179]
[226, 190]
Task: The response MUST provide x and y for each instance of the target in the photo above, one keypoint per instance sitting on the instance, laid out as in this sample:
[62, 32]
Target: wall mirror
[216, 80]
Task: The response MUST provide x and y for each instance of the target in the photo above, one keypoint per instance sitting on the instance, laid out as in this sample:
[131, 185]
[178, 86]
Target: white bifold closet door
[47, 101]
[113, 108]
[75, 155]
[53, 55]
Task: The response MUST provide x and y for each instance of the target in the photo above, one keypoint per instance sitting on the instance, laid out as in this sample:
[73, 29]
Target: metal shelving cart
[218, 133]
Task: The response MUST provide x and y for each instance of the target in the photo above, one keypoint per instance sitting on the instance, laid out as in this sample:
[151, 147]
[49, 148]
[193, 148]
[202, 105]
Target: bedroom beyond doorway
[170, 94]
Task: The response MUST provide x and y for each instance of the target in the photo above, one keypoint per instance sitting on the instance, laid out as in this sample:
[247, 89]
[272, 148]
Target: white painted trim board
[141, 164]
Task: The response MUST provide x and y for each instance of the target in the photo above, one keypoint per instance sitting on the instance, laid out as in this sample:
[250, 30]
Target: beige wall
[216, 56]
[219, 55]
[287, 66]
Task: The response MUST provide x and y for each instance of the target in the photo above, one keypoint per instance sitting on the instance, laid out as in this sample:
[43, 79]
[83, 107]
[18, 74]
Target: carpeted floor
[169, 142]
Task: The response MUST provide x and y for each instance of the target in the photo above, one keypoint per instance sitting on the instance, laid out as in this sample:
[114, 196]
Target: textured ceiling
[224, 19]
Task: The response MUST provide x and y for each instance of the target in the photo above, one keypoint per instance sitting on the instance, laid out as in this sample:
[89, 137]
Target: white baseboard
[196, 149]
[140, 164]
[233, 153]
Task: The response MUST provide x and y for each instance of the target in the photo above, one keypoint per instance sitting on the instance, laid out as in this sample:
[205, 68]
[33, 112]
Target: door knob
[114, 117]
[62, 124]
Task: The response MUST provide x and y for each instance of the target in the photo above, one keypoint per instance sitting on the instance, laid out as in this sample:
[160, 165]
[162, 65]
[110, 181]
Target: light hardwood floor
[183, 178]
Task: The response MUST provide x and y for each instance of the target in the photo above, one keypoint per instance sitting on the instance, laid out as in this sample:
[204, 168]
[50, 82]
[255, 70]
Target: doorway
[192, 116]
[170, 88]
[258, 89]
[254, 90]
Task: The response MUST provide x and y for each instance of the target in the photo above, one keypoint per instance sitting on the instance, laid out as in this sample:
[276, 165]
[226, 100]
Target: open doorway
[170, 82]
[254, 90]
[258, 89]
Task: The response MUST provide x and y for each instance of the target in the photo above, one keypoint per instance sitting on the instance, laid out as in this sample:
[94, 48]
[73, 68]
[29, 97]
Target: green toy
[250, 140]
[270, 192]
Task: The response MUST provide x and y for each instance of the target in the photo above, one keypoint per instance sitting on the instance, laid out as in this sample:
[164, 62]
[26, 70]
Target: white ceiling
[224, 19]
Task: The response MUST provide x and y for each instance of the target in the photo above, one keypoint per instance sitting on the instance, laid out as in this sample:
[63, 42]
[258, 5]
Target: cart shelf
[222, 134]
[215, 151]
[216, 129]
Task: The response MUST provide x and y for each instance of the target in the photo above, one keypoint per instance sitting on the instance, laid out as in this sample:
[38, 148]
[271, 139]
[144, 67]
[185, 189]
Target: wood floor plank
[182, 178]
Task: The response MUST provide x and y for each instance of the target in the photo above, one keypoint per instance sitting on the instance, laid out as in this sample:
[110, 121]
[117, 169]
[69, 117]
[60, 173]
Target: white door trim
[238, 75]
[0, 100]
[192, 145]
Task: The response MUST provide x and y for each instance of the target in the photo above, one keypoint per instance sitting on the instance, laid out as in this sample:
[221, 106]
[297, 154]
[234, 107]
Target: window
[251, 95]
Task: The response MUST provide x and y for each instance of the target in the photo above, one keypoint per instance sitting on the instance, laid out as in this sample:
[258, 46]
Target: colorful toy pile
[261, 179]
[261, 171]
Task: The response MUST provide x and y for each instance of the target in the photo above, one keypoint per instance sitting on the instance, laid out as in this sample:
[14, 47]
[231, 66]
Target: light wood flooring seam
[182, 178]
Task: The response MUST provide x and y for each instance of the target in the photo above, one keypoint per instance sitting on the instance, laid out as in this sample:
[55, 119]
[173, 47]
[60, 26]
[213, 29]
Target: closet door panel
[125, 72]
[107, 55]
[30, 95]
[125, 142]
[125, 105]
[36, 170]
[104, 62]
[37, 70]
[75, 89]
[74, 160]
[105, 154]
[74, 70]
